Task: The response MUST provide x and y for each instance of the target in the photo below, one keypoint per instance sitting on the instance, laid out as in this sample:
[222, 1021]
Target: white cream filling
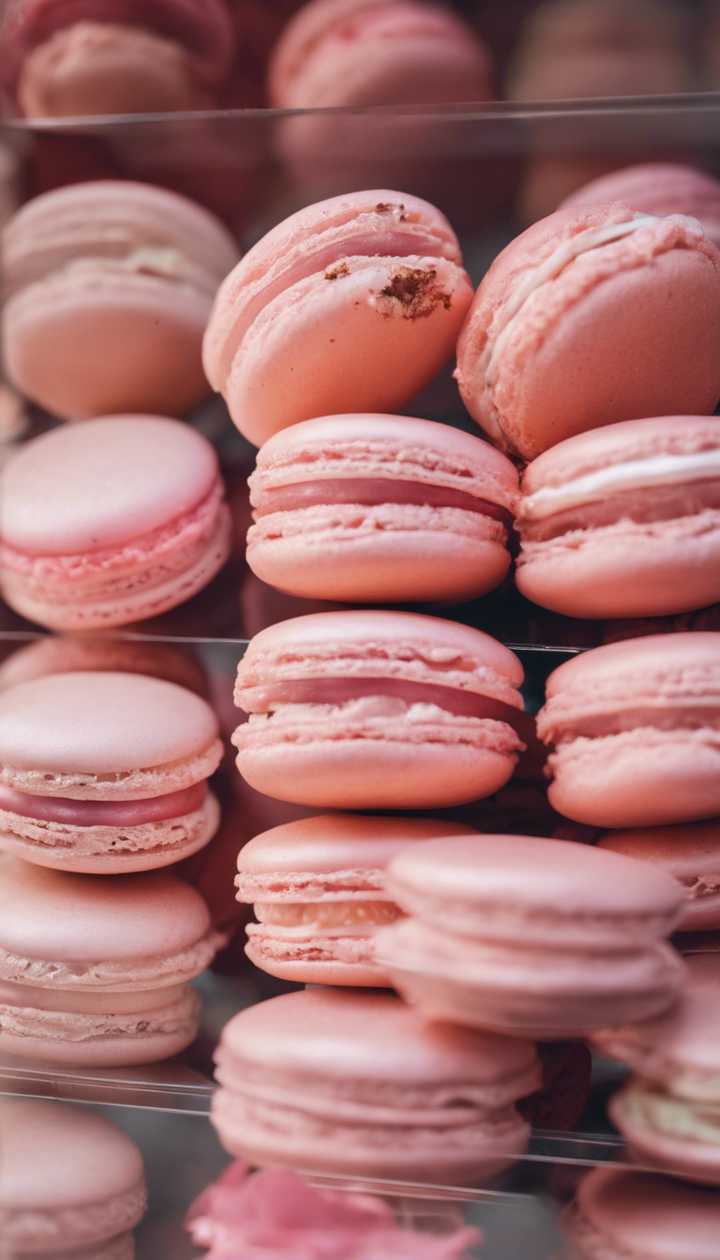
[635, 474]
[673, 1117]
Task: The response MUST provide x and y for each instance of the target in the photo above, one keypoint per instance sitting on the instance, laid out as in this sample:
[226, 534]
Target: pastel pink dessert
[377, 52]
[530, 937]
[377, 710]
[657, 188]
[318, 891]
[669, 1112]
[276, 1215]
[106, 773]
[689, 852]
[624, 521]
[95, 973]
[110, 522]
[108, 288]
[367, 291]
[623, 1215]
[573, 301]
[386, 508]
[302, 1086]
[72, 1186]
[635, 732]
[74, 57]
[84, 654]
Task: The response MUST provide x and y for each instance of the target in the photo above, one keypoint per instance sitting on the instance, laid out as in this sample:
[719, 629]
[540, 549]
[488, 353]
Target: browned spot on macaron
[335, 273]
[417, 292]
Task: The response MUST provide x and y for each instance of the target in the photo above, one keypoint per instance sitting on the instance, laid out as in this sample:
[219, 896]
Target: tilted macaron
[669, 1112]
[624, 521]
[571, 328]
[657, 188]
[635, 732]
[352, 304]
[377, 710]
[94, 972]
[111, 522]
[108, 287]
[318, 889]
[106, 773]
[347, 1083]
[624, 1215]
[72, 1183]
[386, 508]
[532, 937]
[689, 852]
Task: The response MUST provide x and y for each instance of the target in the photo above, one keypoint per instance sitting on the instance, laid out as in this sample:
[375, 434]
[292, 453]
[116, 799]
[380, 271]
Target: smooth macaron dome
[95, 972]
[657, 188]
[691, 854]
[318, 890]
[624, 521]
[108, 288]
[106, 772]
[536, 937]
[302, 1084]
[82, 654]
[110, 522]
[71, 1180]
[366, 290]
[380, 508]
[377, 710]
[623, 1215]
[566, 307]
[635, 732]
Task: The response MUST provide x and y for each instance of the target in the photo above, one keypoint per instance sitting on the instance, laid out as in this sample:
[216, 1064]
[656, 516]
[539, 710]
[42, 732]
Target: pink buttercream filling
[337, 691]
[371, 491]
[60, 809]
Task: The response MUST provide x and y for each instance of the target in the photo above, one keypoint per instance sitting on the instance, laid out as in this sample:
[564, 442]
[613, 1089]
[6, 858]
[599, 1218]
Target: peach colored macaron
[350, 305]
[691, 853]
[387, 508]
[657, 188]
[571, 328]
[108, 287]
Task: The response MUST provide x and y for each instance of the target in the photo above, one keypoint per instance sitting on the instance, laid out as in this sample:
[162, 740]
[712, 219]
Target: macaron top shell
[548, 892]
[667, 667]
[688, 852]
[679, 1050]
[646, 1217]
[109, 492]
[657, 188]
[69, 654]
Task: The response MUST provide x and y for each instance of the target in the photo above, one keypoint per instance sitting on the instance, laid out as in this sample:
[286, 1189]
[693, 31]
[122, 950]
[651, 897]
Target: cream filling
[636, 474]
[642, 1104]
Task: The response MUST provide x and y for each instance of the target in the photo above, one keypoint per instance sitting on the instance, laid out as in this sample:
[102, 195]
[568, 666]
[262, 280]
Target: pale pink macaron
[358, 1084]
[530, 937]
[571, 328]
[350, 305]
[110, 522]
[108, 288]
[380, 508]
[72, 1185]
[689, 852]
[624, 521]
[633, 729]
[657, 188]
[106, 773]
[377, 710]
[624, 1215]
[669, 1112]
[318, 891]
[377, 52]
[84, 654]
[94, 972]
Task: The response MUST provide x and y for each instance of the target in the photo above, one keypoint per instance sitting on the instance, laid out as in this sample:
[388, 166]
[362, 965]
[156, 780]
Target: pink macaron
[530, 937]
[358, 1084]
[658, 188]
[633, 728]
[624, 521]
[72, 1183]
[318, 890]
[689, 852]
[377, 710]
[380, 508]
[669, 1112]
[109, 286]
[74, 57]
[366, 292]
[84, 654]
[570, 304]
[623, 1215]
[94, 973]
[110, 522]
[106, 773]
